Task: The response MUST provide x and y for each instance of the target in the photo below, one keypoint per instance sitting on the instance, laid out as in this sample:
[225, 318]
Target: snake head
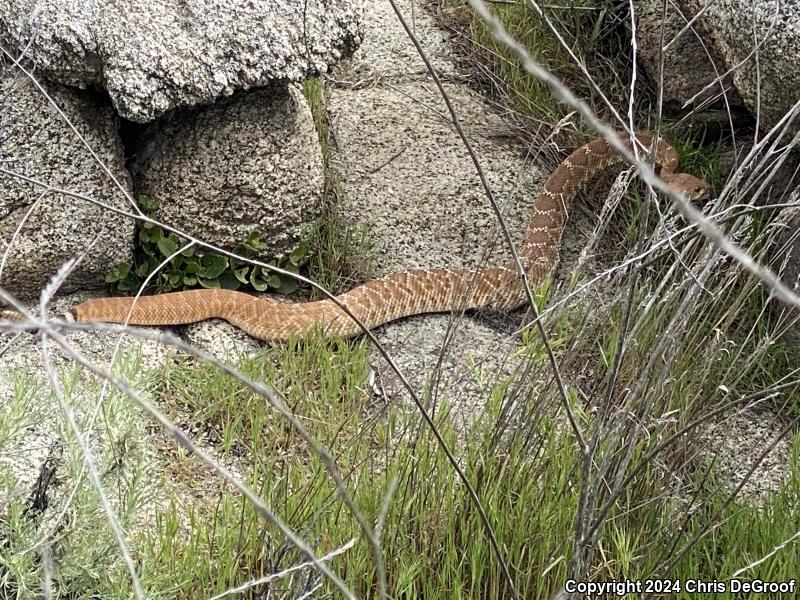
[690, 187]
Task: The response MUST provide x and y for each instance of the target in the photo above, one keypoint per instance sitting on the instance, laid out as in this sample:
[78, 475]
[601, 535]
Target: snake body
[403, 293]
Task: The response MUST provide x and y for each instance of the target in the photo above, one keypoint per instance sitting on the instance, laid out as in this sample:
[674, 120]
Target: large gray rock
[35, 142]
[769, 79]
[689, 64]
[250, 163]
[157, 55]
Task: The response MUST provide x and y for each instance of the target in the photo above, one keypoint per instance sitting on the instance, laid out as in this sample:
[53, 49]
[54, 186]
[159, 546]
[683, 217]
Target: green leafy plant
[190, 269]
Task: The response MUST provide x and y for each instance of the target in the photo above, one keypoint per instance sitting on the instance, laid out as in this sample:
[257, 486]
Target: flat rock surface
[412, 183]
[157, 55]
[739, 440]
[451, 362]
[386, 52]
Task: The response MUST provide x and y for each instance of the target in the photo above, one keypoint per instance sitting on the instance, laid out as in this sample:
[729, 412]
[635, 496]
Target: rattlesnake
[404, 293]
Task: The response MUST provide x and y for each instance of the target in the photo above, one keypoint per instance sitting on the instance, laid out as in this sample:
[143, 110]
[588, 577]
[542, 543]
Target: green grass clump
[595, 33]
[39, 530]
[202, 538]
[699, 156]
[433, 539]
